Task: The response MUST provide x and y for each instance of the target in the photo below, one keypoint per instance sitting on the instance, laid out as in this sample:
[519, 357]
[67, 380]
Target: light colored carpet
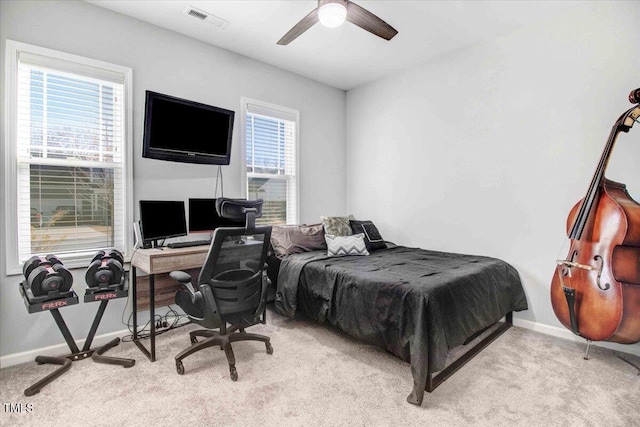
[320, 377]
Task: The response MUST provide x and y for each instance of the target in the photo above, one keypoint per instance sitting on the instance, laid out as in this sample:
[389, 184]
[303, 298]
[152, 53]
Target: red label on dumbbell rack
[92, 294]
[47, 302]
[54, 304]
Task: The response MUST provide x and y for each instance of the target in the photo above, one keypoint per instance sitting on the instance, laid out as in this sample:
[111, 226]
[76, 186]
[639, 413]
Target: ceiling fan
[332, 13]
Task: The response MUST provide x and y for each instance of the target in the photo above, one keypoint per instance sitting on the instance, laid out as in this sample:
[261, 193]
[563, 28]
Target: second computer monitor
[203, 217]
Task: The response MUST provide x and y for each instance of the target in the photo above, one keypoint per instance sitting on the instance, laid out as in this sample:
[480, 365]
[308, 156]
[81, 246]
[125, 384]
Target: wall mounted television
[186, 131]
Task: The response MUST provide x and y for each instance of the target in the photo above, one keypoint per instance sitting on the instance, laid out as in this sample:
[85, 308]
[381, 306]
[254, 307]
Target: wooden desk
[155, 261]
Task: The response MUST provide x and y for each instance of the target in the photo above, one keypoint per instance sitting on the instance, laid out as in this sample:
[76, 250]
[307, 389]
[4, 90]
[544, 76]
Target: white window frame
[244, 108]
[13, 264]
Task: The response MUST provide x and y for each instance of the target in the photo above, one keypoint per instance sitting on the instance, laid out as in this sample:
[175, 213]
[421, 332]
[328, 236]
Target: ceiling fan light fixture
[332, 15]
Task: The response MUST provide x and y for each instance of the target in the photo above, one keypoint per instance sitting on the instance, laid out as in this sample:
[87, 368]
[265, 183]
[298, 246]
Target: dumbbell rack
[55, 300]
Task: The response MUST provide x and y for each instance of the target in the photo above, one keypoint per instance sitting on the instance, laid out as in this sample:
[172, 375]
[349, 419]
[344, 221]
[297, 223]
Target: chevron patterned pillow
[346, 245]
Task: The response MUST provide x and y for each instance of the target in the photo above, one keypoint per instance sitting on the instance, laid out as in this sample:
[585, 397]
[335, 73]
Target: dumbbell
[46, 274]
[105, 269]
[111, 253]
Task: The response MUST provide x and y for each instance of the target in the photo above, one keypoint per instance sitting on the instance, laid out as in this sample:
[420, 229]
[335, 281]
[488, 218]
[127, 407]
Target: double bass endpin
[586, 354]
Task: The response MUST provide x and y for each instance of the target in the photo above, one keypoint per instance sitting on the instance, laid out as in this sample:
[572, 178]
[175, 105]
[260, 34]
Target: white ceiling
[347, 56]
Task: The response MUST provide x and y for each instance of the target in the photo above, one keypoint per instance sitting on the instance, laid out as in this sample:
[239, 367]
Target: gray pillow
[337, 225]
[295, 239]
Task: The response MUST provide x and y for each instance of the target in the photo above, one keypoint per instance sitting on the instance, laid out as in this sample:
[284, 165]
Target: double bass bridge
[571, 264]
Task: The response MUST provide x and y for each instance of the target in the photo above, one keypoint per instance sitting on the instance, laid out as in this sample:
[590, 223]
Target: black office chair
[232, 285]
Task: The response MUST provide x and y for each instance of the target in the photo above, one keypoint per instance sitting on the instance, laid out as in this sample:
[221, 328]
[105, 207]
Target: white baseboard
[62, 349]
[57, 350]
[567, 334]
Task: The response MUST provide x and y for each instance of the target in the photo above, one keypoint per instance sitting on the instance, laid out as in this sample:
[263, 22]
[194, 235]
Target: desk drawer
[181, 261]
[154, 261]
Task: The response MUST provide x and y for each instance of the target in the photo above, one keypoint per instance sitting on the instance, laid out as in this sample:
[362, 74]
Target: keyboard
[188, 244]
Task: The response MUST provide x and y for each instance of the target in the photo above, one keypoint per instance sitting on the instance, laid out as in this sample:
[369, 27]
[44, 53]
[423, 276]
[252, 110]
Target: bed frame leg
[433, 381]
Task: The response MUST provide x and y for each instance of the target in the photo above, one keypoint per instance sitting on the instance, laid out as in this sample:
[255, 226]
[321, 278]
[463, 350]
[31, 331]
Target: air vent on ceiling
[206, 17]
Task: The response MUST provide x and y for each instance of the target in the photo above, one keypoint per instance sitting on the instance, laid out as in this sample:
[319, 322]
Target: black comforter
[418, 304]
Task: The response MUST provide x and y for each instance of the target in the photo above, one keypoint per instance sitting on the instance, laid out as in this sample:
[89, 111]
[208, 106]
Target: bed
[423, 306]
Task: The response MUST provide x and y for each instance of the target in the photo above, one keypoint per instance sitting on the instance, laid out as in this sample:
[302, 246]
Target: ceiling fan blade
[370, 22]
[302, 26]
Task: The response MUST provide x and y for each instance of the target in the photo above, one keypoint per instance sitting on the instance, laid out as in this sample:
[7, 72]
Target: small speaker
[137, 235]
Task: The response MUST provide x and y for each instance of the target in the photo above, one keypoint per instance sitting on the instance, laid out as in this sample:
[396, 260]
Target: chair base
[214, 338]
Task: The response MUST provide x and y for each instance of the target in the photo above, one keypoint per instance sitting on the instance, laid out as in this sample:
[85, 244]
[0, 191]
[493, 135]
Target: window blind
[70, 157]
[271, 162]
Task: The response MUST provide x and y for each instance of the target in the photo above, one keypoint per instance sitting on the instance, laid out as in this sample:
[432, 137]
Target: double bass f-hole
[598, 282]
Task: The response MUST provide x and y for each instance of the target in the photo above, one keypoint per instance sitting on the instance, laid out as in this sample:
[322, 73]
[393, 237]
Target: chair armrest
[212, 318]
[185, 279]
[265, 283]
[180, 276]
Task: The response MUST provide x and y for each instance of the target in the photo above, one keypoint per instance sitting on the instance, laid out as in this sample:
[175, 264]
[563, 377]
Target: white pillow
[346, 245]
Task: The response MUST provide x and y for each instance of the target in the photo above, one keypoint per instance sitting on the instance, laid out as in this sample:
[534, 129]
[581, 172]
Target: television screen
[203, 217]
[160, 219]
[186, 131]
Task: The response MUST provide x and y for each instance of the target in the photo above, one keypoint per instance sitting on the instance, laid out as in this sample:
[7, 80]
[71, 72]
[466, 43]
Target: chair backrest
[235, 265]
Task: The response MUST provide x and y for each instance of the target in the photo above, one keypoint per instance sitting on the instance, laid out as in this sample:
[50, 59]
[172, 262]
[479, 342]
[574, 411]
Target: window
[68, 178]
[271, 139]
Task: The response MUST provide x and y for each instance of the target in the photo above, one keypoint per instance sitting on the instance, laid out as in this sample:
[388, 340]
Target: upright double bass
[595, 291]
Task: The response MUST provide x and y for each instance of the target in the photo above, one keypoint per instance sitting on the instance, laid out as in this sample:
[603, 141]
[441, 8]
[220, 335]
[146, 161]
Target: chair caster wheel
[233, 373]
[179, 367]
[269, 348]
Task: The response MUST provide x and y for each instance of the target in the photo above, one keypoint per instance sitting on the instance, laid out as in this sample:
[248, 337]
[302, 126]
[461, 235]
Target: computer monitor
[161, 219]
[203, 217]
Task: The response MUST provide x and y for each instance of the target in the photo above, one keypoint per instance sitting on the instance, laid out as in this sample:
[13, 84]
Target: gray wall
[482, 151]
[166, 62]
[486, 150]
